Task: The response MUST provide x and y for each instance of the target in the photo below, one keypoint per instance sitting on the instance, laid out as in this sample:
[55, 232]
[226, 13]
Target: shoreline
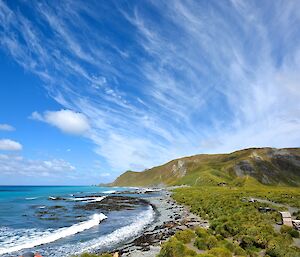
[170, 218]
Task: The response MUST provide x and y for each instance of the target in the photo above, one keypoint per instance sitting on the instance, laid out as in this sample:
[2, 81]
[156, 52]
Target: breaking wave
[109, 192]
[88, 199]
[124, 233]
[31, 198]
[41, 238]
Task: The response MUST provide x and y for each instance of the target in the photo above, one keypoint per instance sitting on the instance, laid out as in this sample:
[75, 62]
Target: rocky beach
[71, 221]
[170, 217]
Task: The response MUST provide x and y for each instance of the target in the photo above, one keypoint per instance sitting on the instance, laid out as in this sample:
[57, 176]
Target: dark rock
[146, 248]
[56, 198]
[28, 254]
[57, 207]
[113, 203]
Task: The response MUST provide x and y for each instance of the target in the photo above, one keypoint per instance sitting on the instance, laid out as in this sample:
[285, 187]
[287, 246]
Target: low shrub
[200, 243]
[239, 251]
[211, 242]
[247, 242]
[289, 230]
[201, 232]
[185, 236]
[220, 252]
[175, 248]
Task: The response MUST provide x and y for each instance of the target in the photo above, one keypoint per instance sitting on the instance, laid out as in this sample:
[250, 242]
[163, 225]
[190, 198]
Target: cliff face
[255, 165]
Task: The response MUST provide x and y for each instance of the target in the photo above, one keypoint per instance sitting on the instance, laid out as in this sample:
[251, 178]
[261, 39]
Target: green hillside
[245, 167]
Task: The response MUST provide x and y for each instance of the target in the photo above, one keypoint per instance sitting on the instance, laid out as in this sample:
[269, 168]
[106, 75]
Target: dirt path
[291, 211]
[290, 208]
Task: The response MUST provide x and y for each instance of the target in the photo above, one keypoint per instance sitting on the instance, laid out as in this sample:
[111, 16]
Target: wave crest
[123, 233]
[54, 235]
[87, 199]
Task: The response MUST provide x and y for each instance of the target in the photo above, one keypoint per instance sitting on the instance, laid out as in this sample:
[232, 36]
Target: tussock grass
[237, 227]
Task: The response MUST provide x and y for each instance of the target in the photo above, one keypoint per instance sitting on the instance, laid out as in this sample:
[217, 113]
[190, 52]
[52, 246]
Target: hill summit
[270, 166]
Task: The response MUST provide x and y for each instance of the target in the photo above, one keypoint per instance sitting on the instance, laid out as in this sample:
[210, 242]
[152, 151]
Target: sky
[90, 89]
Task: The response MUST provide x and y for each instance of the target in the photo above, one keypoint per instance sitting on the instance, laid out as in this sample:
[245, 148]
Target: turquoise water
[46, 219]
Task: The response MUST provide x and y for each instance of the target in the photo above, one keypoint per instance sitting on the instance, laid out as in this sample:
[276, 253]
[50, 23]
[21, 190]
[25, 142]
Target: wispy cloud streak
[162, 79]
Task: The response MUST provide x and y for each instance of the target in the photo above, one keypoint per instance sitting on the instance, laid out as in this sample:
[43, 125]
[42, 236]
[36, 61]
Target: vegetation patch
[238, 227]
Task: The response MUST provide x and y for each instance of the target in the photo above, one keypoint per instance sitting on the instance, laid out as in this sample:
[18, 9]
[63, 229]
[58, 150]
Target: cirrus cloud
[172, 78]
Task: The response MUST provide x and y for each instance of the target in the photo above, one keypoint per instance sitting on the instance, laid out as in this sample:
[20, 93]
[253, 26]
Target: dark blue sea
[53, 220]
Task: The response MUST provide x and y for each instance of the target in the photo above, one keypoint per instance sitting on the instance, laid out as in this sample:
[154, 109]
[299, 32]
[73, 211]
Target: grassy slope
[266, 165]
[237, 228]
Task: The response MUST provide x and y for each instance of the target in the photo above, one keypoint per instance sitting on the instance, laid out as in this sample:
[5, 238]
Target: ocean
[67, 220]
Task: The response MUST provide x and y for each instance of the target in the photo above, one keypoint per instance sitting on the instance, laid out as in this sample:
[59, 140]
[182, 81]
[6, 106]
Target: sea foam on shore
[50, 236]
[124, 233]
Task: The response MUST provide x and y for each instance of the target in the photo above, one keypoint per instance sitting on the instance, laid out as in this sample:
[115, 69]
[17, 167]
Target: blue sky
[89, 89]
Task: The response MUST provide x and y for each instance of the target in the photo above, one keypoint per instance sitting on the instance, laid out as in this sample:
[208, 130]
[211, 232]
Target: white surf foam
[123, 233]
[31, 198]
[109, 192]
[96, 199]
[80, 199]
[87, 199]
[49, 236]
[147, 190]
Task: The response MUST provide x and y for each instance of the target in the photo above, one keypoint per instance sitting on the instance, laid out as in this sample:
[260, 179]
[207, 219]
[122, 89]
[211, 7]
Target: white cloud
[202, 77]
[6, 127]
[10, 145]
[66, 120]
[15, 164]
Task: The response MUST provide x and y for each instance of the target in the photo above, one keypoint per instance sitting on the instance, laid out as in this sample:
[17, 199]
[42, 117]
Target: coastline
[142, 237]
[170, 217]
